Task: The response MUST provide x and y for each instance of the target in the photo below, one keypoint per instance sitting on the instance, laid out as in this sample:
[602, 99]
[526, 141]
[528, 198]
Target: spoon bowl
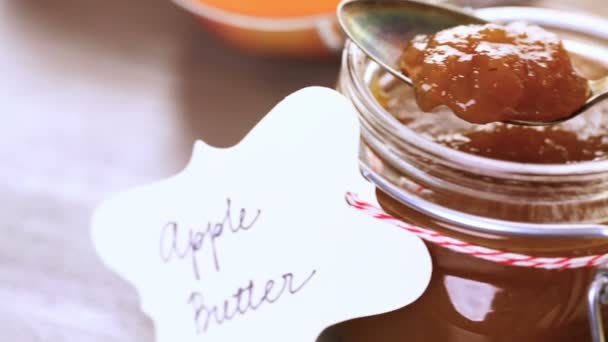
[598, 92]
[383, 28]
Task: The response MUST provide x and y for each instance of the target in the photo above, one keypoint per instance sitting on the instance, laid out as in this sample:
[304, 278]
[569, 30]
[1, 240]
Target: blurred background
[98, 96]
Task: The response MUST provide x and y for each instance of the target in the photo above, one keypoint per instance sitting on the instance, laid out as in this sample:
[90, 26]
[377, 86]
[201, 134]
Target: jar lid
[273, 8]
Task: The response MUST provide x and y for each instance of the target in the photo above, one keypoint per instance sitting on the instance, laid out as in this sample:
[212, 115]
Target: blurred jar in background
[293, 28]
[489, 3]
[300, 28]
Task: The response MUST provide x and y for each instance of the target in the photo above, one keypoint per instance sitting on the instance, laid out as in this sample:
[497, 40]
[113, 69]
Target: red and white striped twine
[499, 256]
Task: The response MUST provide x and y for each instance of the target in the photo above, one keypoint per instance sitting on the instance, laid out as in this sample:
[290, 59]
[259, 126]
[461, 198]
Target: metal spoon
[382, 28]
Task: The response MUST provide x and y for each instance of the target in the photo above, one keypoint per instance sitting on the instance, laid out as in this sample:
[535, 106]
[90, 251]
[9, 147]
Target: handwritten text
[244, 300]
[175, 243]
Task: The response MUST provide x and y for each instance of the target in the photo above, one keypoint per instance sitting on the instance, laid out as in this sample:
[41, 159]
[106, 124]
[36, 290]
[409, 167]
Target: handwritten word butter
[244, 300]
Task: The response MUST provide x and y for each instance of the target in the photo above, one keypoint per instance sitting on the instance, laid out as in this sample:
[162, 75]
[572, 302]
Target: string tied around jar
[598, 291]
[456, 245]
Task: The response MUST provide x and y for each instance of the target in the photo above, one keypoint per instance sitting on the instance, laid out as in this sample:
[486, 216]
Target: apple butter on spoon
[488, 73]
[512, 55]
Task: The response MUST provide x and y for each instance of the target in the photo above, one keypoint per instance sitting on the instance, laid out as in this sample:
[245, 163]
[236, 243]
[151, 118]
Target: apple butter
[488, 73]
[499, 172]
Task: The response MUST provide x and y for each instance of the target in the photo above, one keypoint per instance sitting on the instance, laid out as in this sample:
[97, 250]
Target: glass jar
[544, 210]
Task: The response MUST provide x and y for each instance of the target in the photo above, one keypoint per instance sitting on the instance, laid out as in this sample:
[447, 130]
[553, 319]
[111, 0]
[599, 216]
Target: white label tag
[256, 242]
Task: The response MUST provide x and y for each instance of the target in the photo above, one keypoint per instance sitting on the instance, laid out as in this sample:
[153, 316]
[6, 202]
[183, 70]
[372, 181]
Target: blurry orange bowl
[302, 28]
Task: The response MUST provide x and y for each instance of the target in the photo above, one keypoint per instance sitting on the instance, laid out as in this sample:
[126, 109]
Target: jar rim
[512, 177]
[593, 26]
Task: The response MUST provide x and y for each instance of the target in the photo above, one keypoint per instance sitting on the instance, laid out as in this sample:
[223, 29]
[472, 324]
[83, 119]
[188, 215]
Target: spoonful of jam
[484, 72]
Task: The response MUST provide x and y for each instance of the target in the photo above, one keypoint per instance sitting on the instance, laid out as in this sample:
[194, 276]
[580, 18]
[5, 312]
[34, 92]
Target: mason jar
[541, 192]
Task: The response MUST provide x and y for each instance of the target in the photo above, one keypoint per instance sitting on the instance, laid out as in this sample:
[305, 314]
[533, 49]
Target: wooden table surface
[98, 96]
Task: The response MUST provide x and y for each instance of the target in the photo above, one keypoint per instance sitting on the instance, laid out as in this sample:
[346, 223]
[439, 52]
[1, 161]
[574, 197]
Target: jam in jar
[521, 189]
